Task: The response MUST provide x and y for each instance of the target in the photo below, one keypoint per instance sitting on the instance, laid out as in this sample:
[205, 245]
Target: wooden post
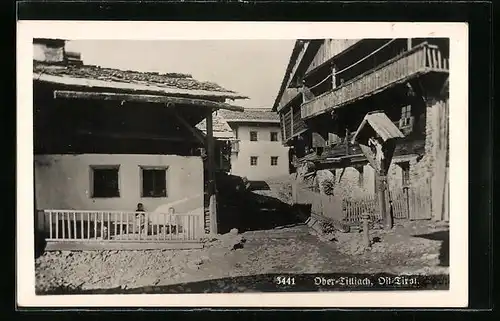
[366, 234]
[409, 44]
[347, 141]
[382, 195]
[211, 174]
[334, 82]
[294, 191]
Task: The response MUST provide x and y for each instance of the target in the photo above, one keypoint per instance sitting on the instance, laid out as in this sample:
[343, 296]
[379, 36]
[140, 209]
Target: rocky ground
[238, 262]
[288, 250]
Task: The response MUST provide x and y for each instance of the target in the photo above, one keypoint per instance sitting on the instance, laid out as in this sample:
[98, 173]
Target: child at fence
[140, 218]
[171, 221]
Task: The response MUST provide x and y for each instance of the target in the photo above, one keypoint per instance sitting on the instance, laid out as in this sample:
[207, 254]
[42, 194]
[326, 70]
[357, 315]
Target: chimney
[48, 50]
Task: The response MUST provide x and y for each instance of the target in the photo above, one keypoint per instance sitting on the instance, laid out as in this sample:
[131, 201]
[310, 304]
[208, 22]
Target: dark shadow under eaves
[247, 210]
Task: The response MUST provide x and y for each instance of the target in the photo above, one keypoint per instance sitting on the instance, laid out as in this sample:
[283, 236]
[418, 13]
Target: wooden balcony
[417, 61]
[345, 152]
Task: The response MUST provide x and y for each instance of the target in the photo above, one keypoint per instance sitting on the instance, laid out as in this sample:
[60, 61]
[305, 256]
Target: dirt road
[278, 251]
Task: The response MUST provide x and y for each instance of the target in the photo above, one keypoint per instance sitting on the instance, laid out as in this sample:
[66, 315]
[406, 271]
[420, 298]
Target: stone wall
[348, 184]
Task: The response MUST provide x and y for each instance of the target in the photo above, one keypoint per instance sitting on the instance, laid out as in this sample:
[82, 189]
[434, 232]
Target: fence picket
[57, 224]
[63, 225]
[68, 224]
[81, 226]
[116, 224]
[164, 226]
[50, 224]
[74, 226]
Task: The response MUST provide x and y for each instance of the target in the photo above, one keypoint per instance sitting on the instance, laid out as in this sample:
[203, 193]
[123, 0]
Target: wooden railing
[118, 226]
[421, 59]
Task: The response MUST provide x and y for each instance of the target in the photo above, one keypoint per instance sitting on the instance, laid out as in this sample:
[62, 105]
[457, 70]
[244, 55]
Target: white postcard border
[456, 296]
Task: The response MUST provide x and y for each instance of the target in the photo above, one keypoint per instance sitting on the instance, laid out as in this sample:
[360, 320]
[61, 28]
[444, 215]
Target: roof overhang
[266, 121]
[157, 99]
[378, 122]
[134, 87]
[299, 45]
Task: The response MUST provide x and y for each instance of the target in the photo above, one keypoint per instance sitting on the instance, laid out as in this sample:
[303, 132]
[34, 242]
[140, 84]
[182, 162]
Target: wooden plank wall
[420, 201]
[440, 150]
[329, 49]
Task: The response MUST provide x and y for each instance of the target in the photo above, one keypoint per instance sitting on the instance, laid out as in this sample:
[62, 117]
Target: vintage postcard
[218, 164]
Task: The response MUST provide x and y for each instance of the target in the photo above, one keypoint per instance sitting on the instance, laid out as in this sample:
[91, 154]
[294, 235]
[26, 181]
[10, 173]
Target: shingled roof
[223, 117]
[95, 76]
[250, 115]
[221, 128]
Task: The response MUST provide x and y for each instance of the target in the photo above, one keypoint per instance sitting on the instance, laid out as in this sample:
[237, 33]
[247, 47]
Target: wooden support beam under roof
[196, 132]
[155, 99]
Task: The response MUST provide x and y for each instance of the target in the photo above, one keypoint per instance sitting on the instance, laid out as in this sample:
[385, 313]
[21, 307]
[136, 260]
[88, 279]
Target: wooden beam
[409, 44]
[211, 174]
[142, 98]
[334, 76]
[196, 133]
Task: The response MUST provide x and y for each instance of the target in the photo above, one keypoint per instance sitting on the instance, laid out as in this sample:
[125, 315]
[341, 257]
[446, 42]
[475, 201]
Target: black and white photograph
[298, 163]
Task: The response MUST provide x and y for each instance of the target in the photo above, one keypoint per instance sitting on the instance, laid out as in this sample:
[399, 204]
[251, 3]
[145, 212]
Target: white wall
[63, 182]
[263, 148]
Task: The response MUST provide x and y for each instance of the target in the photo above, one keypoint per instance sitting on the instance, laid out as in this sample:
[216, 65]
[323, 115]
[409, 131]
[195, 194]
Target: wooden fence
[412, 203]
[117, 226]
[354, 208]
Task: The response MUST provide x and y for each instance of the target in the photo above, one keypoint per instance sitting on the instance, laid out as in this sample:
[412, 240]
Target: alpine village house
[106, 140]
[257, 152]
[331, 85]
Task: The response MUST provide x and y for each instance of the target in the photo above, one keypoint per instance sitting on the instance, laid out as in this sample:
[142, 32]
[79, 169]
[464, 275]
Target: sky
[253, 68]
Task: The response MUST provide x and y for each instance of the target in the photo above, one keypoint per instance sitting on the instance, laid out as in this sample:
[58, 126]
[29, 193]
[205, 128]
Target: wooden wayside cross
[377, 136]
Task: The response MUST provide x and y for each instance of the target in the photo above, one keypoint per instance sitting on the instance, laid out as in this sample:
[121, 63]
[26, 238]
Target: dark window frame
[256, 136]
[252, 158]
[406, 114]
[100, 192]
[150, 191]
[274, 135]
[274, 158]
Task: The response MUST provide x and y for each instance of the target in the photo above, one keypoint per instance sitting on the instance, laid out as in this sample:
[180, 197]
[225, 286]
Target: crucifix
[377, 136]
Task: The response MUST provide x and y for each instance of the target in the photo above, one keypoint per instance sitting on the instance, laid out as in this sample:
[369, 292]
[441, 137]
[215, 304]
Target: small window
[274, 160]
[105, 181]
[253, 136]
[154, 182]
[405, 173]
[253, 160]
[274, 136]
[405, 115]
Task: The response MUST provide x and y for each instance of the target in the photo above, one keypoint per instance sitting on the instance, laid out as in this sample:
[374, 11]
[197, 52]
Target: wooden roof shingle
[95, 76]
